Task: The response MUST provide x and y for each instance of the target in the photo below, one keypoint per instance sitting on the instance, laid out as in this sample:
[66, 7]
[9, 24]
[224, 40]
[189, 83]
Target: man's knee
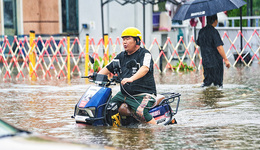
[143, 116]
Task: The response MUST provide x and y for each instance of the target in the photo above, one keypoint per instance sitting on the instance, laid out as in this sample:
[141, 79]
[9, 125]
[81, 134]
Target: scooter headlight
[90, 111]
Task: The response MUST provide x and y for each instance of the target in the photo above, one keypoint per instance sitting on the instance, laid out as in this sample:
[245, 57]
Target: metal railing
[252, 21]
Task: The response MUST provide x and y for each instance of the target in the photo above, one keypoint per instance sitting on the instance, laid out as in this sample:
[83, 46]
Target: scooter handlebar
[85, 77]
[91, 76]
[102, 79]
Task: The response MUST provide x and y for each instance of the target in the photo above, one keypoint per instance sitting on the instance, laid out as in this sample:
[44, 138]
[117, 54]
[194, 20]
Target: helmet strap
[137, 40]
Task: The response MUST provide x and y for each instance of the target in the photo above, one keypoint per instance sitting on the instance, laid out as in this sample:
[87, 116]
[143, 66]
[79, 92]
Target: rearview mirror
[91, 59]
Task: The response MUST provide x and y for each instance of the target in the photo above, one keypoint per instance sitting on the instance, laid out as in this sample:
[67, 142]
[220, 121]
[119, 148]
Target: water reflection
[210, 96]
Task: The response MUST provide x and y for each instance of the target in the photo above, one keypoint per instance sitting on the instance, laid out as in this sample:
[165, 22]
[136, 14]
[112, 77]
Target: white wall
[116, 19]
[89, 11]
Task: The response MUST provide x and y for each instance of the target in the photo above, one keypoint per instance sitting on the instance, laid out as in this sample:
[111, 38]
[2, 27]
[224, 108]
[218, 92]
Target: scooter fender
[93, 102]
[162, 114]
[95, 96]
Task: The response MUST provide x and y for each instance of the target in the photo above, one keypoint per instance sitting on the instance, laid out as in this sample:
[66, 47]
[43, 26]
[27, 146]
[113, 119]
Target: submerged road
[208, 118]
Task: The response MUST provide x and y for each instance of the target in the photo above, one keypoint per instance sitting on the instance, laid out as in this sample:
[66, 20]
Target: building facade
[80, 17]
[18, 17]
[77, 17]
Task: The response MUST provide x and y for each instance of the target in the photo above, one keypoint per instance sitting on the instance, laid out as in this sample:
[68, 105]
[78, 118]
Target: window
[70, 16]
[157, 9]
[10, 26]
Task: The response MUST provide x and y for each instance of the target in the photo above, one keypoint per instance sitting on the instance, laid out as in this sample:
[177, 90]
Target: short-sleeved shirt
[208, 40]
[143, 57]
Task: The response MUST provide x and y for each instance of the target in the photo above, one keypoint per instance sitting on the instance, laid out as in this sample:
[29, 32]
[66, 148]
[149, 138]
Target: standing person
[212, 52]
[137, 87]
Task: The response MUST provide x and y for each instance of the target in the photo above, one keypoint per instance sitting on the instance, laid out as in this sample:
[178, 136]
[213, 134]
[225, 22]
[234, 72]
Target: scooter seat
[158, 99]
[125, 110]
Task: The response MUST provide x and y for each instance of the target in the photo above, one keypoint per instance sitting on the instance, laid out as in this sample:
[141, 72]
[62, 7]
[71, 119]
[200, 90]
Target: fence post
[161, 61]
[106, 48]
[32, 56]
[87, 55]
[68, 52]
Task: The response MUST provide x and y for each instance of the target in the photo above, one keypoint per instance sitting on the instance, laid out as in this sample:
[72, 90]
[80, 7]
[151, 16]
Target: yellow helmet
[132, 31]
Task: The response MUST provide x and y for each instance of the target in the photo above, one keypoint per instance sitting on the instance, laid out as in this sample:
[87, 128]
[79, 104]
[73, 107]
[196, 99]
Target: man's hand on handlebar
[92, 76]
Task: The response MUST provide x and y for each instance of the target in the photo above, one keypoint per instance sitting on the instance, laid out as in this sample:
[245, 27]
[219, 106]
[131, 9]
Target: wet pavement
[208, 118]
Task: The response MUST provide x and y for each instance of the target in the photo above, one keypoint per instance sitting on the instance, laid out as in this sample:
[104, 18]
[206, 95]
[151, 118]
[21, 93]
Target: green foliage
[183, 67]
[256, 4]
[161, 6]
[236, 13]
[96, 63]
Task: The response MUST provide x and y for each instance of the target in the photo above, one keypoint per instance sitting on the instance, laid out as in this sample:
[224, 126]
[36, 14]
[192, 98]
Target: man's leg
[152, 121]
[113, 118]
[141, 107]
[118, 99]
[218, 75]
[208, 76]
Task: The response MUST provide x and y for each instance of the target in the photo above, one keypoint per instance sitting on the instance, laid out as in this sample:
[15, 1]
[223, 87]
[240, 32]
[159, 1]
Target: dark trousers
[214, 75]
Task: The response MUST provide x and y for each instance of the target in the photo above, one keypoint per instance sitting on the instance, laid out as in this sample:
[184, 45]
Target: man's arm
[139, 74]
[223, 54]
[104, 71]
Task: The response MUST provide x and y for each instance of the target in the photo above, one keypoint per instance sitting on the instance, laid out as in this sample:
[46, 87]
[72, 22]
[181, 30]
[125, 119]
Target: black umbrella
[199, 8]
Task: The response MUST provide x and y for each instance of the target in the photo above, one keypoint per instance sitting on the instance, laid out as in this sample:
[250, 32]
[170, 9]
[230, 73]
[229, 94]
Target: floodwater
[208, 118]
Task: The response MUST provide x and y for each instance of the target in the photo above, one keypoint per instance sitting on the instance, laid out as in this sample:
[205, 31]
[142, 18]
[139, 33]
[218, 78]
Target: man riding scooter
[137, 88]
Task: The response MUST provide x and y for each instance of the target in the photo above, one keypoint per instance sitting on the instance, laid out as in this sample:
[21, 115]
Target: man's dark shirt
[146, 84]
[208, 40]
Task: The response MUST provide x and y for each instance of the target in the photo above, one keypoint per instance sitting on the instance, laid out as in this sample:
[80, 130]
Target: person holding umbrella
[211, 45]
[212, 53]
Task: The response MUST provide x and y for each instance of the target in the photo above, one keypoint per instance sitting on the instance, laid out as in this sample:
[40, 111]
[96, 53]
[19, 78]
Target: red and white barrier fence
[52, 55]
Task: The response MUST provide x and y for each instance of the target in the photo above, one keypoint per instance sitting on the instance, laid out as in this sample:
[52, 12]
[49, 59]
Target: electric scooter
[94, 107]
